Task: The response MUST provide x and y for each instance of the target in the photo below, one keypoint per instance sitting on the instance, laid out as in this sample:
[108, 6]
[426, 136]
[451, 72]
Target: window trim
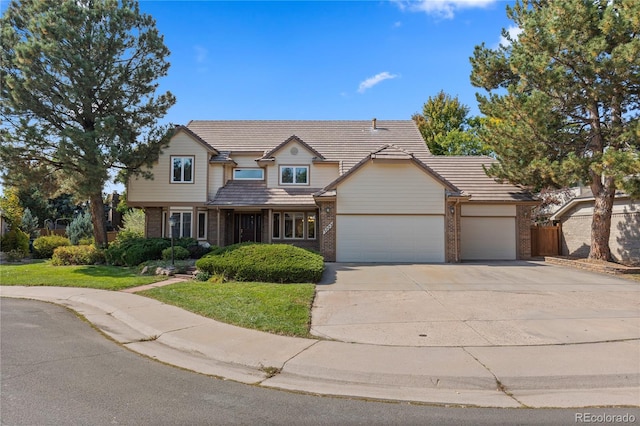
[248, 168]
[277, 229]
[294, 167]
[205, 229]
[180, 224]
[305, 225]
[182, 158]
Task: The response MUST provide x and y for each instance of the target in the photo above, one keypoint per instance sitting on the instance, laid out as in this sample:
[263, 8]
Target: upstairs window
[181, 169]
[248, 174]
[294, 175]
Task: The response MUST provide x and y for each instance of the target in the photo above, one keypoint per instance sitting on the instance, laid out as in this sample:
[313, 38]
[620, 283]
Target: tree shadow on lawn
[106, 271]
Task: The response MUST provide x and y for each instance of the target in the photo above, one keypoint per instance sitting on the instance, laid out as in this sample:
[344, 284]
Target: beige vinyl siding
[160, 188]
[495, 210]
[216, 176]
[387, 238]
[319, 175]
[245, 161]
[390, 188]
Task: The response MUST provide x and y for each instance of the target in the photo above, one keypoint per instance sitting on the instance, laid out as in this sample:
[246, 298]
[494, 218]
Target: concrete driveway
[473, 304]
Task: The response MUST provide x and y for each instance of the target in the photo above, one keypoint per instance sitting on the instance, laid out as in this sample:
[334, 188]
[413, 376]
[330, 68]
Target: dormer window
[181, 169]
[248, 174]
[294, 175]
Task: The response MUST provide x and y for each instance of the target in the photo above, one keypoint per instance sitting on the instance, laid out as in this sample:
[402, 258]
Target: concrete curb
[540, 376]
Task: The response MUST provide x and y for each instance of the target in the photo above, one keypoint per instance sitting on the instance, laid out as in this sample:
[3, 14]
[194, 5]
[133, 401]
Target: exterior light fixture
[172, 222]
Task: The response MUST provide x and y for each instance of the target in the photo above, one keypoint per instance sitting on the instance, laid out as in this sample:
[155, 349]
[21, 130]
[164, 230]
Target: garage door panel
[488, 238]
[388, 238]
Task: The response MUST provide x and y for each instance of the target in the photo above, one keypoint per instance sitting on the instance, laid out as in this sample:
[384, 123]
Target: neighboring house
[356, 191]
[575, 218]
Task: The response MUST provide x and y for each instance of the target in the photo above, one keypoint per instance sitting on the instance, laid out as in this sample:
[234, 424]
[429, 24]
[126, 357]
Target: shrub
[133, 222]
[280, 263]
[44, 246]
[77, 255]
[134, 251]
[197, 251]
[15, 239]
[14, 255]
[180, 253]
[29, 224]
[79, 228]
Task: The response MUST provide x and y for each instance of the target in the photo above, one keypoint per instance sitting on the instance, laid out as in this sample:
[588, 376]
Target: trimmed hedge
[134, 251]
[77, 255]
[276, 263]
[44, 246]
[180, 253]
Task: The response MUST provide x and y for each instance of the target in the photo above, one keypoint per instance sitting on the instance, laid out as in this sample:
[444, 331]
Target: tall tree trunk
[603, 193]
[98, 220]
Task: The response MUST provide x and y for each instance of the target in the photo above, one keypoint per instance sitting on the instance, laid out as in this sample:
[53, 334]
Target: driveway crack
[499, 385]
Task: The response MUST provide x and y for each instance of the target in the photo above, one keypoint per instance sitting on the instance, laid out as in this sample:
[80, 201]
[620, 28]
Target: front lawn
[42, 273]
[283, 309]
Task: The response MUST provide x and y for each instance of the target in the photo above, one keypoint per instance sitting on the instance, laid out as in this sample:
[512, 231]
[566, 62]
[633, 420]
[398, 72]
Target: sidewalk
[569, 375]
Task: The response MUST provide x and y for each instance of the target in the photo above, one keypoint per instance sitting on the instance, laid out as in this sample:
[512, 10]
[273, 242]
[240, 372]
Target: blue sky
[320, 60]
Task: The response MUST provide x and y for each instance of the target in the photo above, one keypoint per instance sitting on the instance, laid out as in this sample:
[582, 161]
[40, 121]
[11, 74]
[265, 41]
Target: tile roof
[467, 174]
[335, 140]
[251, 194]
[347, 142]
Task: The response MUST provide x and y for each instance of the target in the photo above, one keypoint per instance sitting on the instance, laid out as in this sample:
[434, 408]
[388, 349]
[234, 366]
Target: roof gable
[195, 137]
[290, 139]
[393, 153]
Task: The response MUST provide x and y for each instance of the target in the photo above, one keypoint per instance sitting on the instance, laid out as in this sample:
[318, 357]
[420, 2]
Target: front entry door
[248, 227]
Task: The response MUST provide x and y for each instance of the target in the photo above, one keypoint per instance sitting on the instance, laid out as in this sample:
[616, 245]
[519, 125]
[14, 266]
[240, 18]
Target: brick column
[452, 237]
[523, 224]
[153, 222]
[327, 229]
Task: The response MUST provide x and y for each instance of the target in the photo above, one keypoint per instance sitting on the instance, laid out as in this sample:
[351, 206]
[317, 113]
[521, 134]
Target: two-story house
[356, 191]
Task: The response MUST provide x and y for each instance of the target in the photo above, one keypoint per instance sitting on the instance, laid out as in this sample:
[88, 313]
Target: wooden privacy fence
[545, 240]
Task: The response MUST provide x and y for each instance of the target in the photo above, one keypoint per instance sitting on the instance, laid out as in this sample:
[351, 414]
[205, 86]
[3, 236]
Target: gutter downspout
[218, 226]
[455, 230]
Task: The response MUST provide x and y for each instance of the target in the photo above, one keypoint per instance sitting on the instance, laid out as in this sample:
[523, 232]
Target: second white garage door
[488, 238]
[389, 238]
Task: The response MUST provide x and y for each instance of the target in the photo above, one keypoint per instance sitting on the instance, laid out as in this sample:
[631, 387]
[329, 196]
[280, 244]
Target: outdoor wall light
[172, 222]
[327, 209]
[452, 209]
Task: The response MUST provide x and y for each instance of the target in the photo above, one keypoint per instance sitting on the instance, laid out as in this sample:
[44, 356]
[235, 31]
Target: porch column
[327, 229]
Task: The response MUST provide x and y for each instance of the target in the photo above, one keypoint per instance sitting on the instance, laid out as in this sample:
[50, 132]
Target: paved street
[56, 369]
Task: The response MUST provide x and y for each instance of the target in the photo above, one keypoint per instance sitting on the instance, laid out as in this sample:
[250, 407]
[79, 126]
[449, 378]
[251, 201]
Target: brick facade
[624, 240]
[327, 229]
[153, 222]
[523, 226]
[452, 236]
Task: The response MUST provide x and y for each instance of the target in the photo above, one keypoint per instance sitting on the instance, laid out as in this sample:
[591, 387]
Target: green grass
[42, 273]
[283, 309]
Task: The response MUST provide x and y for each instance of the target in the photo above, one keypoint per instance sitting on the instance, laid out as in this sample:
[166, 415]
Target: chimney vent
[373, 124]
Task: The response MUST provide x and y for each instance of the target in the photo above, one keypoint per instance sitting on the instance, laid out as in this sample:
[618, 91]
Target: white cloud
[372, 81]
[201, 54]
[444, 9]
[397, 24]
[513, 31]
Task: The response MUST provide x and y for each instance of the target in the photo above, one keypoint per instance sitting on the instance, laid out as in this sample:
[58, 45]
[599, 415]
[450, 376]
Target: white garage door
[488, 238]
[388, 238]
